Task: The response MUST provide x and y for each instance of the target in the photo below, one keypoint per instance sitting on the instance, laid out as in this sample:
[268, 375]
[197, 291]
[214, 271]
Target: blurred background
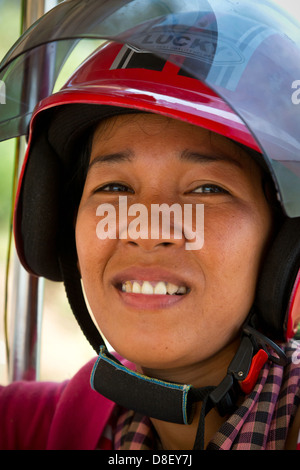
[63, 348]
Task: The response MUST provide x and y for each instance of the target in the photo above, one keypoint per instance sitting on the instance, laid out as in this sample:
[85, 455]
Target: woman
[199, 328]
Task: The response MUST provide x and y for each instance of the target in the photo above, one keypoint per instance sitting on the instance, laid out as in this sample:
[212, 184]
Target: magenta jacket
[71, 415]
[52, 416]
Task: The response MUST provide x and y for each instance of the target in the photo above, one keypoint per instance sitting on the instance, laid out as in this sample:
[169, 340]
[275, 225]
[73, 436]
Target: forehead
[133, 131]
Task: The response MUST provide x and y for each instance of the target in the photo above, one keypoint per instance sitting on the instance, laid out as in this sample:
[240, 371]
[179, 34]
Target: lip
[144, 301]
[150, 302]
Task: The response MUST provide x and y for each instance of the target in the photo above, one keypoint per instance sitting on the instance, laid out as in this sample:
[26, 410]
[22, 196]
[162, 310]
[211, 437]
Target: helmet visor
[247, 52]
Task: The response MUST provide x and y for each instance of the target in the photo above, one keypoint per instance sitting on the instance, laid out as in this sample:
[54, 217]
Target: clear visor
[248, 52]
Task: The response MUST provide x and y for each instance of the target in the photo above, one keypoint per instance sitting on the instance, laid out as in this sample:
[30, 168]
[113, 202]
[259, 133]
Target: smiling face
[203, 296]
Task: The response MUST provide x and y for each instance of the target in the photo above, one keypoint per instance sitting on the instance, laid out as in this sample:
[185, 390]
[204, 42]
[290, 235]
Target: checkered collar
[253, 426]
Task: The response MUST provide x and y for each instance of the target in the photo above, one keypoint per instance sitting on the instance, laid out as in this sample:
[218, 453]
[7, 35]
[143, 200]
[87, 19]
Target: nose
[151, 226]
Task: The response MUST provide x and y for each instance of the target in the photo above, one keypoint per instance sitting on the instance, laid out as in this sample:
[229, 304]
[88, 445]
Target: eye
[114, 188]
[210, 189]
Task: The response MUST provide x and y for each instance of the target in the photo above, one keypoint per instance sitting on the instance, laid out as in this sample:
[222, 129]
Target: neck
[182, 437]
[207, 373]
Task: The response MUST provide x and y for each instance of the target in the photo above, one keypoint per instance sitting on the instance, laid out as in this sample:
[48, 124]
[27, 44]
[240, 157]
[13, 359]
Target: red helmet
[119, 79]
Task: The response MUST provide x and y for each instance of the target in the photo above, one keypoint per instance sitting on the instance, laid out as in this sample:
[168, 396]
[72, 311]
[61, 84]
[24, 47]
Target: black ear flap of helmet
[277, 281]
[38, 211]
[74, 292]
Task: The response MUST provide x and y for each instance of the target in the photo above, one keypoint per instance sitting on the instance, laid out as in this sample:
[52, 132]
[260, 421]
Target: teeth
[136, 288]
[127, 286]
[173, 289]
[146, 288]
[159, 288]
[181, 290]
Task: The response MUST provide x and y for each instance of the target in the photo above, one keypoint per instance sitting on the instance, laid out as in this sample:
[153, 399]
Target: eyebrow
[187, 155]
[125, 156]
[197, 157]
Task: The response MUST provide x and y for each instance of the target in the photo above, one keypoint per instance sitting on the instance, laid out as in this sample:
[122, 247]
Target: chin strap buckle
[258, 361]
[225, 395]
[243, 371]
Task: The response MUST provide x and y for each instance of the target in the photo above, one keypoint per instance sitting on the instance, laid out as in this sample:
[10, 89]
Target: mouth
[145, 288]
[152, 288]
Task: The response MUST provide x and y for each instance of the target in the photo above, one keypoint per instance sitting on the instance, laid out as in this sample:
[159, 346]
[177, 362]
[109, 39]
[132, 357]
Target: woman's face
[154, 160]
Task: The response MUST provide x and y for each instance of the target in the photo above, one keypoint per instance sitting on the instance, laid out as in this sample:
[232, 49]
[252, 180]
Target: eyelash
[118, 187]
[214, 187]
[121, 188]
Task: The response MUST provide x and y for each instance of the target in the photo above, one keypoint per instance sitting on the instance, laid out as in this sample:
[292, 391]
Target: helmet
[119, 79]
[165, 71]
[100, 88]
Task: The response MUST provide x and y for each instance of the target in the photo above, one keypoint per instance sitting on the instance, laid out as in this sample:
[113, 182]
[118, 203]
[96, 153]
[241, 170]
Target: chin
[147, 357]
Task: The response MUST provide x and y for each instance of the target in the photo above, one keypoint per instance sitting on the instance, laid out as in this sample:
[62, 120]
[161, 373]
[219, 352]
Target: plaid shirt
[260, 423]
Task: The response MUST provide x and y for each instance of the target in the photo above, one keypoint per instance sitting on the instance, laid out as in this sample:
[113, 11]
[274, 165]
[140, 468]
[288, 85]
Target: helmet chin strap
[168, 401]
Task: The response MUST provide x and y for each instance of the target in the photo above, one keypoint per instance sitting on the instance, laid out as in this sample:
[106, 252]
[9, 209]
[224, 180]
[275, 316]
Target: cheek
[233, 251]
[92, 259]
[91, 251]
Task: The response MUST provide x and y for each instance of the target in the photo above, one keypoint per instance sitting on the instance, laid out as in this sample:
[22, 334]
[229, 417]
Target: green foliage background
[10, 25]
